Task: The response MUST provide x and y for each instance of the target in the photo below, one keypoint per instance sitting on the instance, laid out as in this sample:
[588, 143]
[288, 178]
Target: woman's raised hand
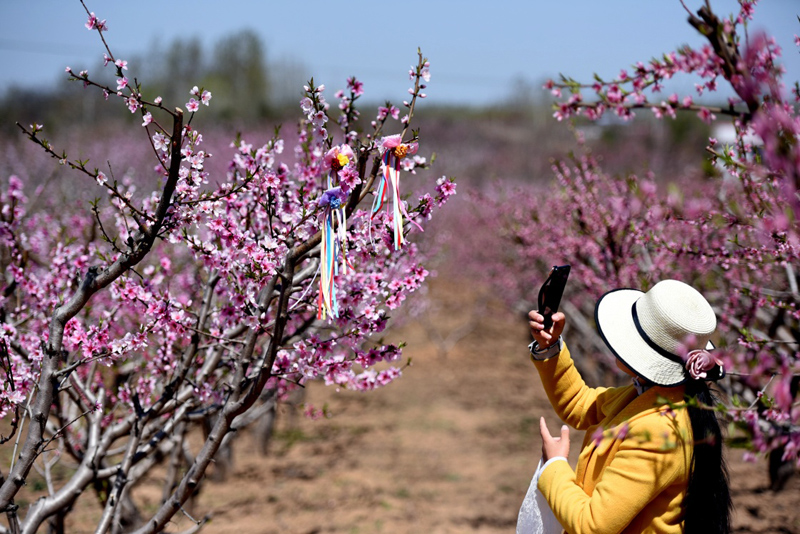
[552, 446]
[543, 337]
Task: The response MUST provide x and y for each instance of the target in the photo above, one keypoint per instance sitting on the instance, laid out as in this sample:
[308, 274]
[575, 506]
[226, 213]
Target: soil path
[448, 448]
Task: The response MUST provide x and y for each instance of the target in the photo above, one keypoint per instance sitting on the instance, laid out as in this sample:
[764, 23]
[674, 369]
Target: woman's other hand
[553, 447]
[543, 337]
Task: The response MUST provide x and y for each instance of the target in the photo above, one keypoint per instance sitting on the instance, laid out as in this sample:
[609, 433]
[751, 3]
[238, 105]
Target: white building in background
[725, 134]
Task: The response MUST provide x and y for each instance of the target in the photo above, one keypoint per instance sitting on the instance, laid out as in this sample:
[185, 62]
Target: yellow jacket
[634, 464]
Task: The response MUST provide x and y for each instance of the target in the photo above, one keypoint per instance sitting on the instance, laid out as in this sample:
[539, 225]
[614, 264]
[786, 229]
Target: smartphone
[551, 292]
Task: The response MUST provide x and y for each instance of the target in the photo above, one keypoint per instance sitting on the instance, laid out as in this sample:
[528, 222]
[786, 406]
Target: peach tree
[183, 297]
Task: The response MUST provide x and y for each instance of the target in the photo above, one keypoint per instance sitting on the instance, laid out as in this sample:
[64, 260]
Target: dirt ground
[449, 448]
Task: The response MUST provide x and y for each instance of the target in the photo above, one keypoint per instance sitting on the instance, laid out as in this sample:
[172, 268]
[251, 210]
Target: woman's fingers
[544, 430]
[536, 317]
[536, 322]
[565, 435]
[552, 447]
[547, 439]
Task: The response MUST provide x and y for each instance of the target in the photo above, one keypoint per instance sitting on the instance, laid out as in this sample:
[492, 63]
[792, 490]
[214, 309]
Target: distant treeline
[245, 86]
[249, 89]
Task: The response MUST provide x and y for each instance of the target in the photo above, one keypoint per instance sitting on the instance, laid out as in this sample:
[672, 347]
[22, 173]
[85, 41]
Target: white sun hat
[650, 332]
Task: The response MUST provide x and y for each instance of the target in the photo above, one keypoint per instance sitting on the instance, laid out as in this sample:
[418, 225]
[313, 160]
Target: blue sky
[477, 49]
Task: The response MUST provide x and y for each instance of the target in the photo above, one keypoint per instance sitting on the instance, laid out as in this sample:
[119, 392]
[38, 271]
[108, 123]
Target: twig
[198, 524]
[21, 425]
[761, 392]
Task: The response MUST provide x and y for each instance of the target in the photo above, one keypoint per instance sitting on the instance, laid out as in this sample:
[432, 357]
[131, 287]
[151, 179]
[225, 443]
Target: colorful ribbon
[332, 245]
[333, 250]
[393, 150]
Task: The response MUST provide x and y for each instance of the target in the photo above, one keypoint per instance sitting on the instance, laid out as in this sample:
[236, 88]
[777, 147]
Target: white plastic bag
[535, 515]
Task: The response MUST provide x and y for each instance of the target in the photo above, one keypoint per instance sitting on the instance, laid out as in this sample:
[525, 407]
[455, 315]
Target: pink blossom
[338, 157]
[192, 105]
[614, 94]
[746, 12]
[121, 64]
[349, 177]
[122, 83]
[147, 119]
[396, 142]
[445, 187]
[425, 73]
[706, 115]
[783, 393]
[598, 436]
[356, 87]
[160, 142]
[95, 24]
[196, 160]
[392, 111]
[272, 180]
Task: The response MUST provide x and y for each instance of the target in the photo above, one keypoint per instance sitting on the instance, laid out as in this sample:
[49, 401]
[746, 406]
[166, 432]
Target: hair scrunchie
[699, 362]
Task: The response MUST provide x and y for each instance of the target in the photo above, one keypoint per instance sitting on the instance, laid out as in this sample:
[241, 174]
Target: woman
[651, 460]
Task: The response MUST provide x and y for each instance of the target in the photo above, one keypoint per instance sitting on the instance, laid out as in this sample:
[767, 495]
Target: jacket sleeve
[575, 403]
[647, 462]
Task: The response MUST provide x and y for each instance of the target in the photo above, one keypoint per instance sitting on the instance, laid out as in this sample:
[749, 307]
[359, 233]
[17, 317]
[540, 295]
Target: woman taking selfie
[651, 460]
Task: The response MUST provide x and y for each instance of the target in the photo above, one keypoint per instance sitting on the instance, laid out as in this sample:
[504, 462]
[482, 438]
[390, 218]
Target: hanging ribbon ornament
[334, 242]
[333, 248]
[393, 150]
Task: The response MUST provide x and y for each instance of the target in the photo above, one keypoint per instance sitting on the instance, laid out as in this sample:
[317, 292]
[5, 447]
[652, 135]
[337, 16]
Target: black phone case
[551, 292]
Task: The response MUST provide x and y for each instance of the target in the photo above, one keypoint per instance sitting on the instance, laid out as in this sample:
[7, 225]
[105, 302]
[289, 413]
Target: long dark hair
[707, 505]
